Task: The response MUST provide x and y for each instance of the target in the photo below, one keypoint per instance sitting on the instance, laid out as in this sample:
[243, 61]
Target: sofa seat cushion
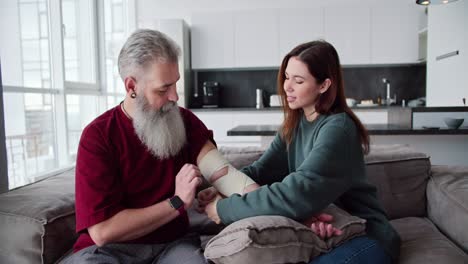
[37, 221]
[447, 196]
[421, 242]
[400, 175]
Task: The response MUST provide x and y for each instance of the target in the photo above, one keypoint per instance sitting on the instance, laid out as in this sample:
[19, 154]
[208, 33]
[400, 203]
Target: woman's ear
[325, 85]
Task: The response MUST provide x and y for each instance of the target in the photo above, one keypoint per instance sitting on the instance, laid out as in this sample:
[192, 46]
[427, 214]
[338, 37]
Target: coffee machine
[210, 94]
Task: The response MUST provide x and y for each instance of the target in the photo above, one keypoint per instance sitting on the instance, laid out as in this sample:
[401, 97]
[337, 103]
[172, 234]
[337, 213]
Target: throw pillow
[277, 239]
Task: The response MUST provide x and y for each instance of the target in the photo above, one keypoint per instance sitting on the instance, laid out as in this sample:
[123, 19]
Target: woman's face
[302, 89]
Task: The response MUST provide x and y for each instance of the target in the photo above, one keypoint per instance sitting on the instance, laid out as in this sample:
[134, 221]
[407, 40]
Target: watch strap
[177, 204]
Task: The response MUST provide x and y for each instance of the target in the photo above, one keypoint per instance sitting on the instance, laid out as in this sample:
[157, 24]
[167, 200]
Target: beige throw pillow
[277, 239]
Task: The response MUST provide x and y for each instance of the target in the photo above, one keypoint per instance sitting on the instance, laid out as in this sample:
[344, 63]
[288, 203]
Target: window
[29, 135]
[81, 110]
[79, 43]
[59, 71]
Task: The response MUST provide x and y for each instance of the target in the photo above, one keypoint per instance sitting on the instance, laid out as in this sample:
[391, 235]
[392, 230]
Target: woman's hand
[321, 227]
[204, 197]
[210, 209]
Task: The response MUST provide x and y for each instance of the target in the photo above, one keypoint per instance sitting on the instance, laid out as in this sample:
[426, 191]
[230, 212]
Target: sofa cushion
[37, 221]
[421, 242]
[447, 196]
[277, 239]
[400, 175]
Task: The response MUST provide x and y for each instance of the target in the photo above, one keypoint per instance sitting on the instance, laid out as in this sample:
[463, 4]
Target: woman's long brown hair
[323, 62]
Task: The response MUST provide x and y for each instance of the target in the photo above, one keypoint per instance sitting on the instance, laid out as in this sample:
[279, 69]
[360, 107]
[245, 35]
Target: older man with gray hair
[137, 167]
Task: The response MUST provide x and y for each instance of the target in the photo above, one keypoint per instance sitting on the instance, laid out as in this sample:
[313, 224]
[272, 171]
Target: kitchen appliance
[210, 94]
[275, 100]
[259, 99]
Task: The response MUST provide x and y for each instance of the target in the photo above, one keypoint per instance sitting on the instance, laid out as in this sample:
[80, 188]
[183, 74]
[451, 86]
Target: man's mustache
[167, 107]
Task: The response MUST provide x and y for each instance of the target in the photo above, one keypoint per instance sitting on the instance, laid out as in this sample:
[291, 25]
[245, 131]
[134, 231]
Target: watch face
[176, 202]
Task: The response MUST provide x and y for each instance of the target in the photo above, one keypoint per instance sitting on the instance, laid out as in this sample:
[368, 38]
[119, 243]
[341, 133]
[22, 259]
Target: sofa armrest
[447, 202]
[37, 221]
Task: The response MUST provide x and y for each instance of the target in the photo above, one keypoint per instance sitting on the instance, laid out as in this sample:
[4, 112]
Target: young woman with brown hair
[317, 158]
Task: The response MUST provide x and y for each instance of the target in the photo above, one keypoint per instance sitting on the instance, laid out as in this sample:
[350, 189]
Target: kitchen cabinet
[212, 38]
[256, 38]
[297, 26]
[348, 30]
[372, 116]
[362, 35]
[395, 40]
[446, 75]
[221, 121]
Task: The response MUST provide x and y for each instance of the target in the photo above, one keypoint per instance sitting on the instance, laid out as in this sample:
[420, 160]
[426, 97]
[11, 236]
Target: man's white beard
[162, 131]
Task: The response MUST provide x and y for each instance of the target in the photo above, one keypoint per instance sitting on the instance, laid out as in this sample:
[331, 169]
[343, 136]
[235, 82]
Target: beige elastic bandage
[232, 182]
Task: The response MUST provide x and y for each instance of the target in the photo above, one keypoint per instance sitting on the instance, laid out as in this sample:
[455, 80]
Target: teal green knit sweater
[324, 164]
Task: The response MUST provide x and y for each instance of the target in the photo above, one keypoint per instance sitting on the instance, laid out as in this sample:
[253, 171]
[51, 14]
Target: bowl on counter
[453, 123]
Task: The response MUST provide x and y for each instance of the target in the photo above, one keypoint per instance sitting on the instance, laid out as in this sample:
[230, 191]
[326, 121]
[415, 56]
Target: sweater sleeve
[272, 166]
[316, 183]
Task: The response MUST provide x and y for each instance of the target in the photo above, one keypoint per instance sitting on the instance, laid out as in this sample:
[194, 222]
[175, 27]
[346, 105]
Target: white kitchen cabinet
[222, 121]
[362, 35]
[256, 38]
[446, 77]
[212, 37]
[395, 40]
[372, 116]
[219, 122]
[297, 26]
[348, 30]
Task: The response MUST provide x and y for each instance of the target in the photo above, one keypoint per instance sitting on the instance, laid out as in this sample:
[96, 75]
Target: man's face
[157, 119]
[158, 84]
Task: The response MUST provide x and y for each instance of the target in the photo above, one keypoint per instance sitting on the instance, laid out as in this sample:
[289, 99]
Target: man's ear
[130, 84]
[325, 85]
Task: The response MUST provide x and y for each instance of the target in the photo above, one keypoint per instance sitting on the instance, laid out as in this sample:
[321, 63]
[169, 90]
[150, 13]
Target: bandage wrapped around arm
[232, 182]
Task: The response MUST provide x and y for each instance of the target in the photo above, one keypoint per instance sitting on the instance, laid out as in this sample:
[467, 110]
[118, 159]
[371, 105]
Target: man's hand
[187, 181]
[320, 226]
[210, 209]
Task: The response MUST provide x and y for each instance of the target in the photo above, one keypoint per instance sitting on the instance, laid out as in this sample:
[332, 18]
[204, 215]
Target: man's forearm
[131, 224]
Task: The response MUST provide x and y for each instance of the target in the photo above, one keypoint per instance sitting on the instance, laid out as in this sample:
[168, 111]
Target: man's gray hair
[146, 46]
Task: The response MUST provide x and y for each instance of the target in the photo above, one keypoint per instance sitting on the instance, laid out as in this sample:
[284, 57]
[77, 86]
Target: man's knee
[183, 251]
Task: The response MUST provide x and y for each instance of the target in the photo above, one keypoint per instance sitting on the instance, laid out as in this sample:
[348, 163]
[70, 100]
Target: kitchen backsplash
[407, 82]
[238, 86]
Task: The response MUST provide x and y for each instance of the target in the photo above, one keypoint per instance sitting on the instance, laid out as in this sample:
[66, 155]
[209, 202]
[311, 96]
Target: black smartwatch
[177, 204]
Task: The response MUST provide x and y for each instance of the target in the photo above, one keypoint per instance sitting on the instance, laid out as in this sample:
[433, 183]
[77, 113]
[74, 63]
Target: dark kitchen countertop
[229, 109]
[374, 129]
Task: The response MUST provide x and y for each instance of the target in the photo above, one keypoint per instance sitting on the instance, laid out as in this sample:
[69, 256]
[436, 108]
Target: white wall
[150, 9]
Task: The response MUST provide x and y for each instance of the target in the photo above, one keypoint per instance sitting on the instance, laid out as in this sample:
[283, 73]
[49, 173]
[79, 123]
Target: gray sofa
[428, 206]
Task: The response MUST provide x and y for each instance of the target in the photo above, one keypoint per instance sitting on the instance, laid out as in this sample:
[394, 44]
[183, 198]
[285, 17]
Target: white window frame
[61, 87]
[3, 154]
[84, 87]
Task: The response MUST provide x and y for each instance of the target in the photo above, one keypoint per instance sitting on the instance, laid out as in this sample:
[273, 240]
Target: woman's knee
[360, 250]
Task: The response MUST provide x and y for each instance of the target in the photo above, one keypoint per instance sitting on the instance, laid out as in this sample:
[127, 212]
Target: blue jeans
[359, 250]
